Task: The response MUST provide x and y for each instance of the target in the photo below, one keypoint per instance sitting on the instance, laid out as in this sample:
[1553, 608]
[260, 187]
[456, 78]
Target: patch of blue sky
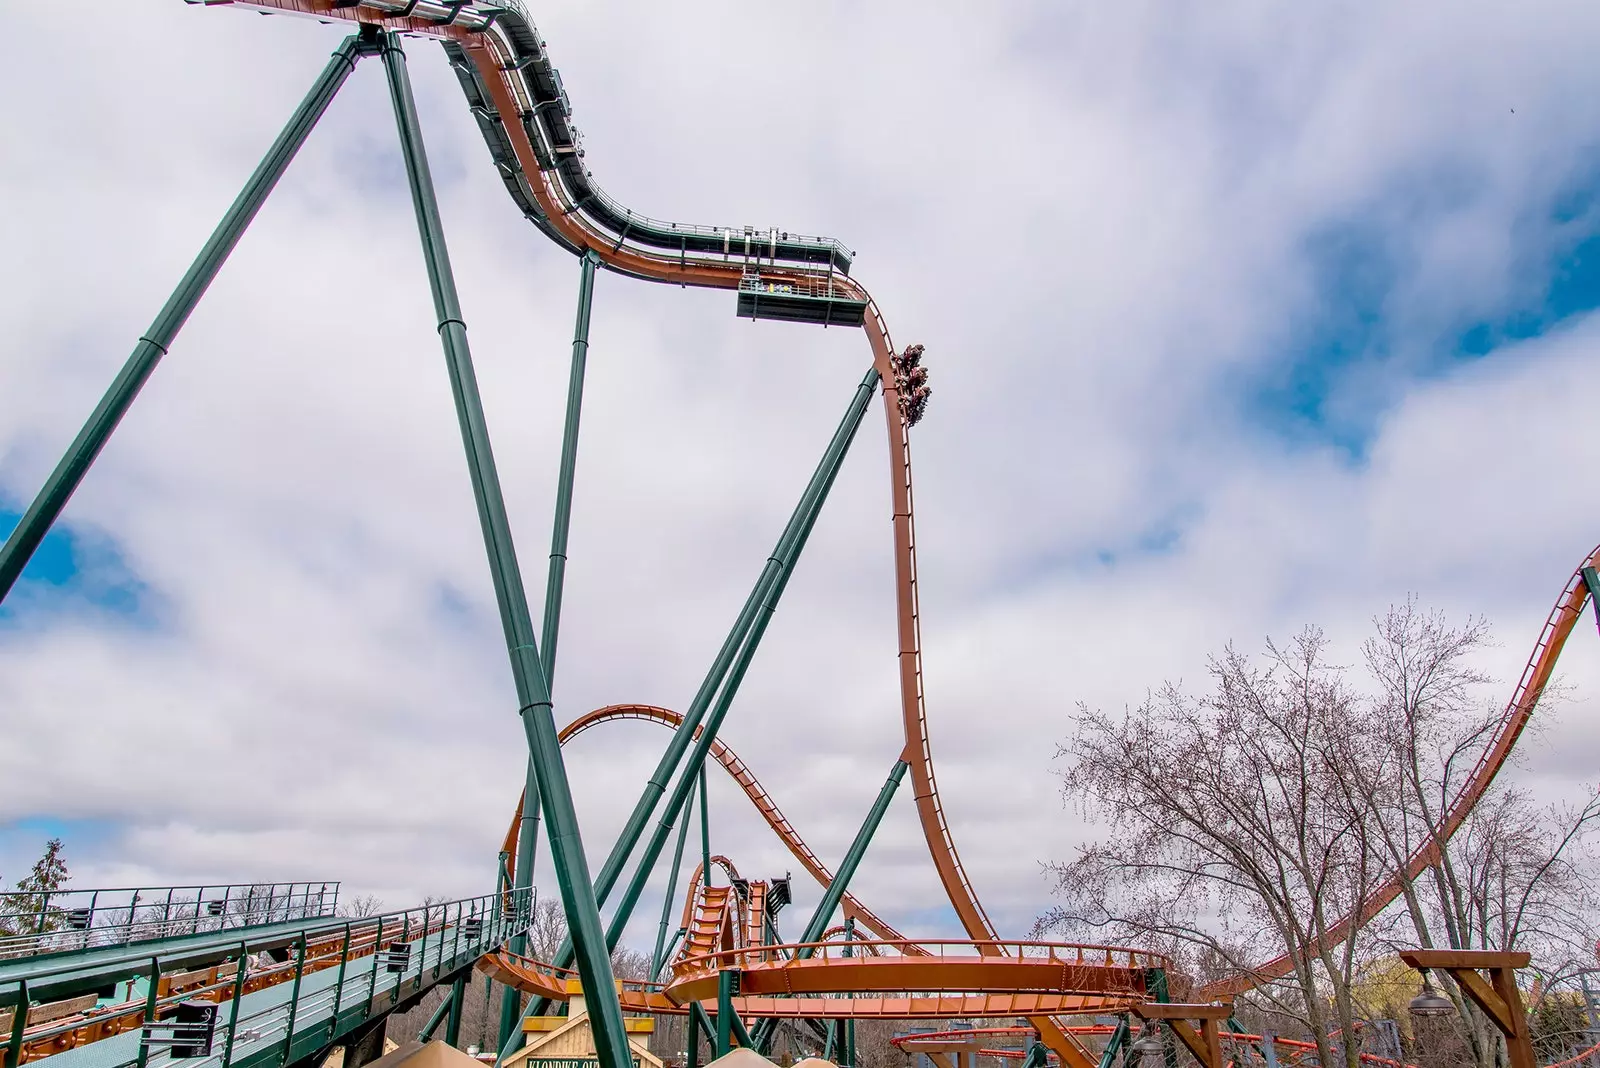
[1341, 363]
[75, 570]
[1157, 538]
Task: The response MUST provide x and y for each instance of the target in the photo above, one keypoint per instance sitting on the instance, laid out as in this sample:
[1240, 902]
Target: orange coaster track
[497, 57]
[516, 97]
[1524, 700]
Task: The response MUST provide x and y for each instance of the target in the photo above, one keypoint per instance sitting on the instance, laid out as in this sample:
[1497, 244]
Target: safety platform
[797, 298]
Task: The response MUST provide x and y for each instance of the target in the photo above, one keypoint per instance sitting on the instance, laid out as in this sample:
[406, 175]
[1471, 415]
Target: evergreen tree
[29, 910]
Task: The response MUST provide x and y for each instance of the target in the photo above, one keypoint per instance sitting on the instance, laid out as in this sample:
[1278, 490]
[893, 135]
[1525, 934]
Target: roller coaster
[115, 992]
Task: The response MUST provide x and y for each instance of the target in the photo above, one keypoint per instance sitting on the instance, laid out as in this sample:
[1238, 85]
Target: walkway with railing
[272, 994]
[75, 920]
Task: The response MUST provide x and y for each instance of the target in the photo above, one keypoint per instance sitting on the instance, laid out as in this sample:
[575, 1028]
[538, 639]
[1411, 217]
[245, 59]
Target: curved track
[516, 97]
[1524, 700]
[752, 788]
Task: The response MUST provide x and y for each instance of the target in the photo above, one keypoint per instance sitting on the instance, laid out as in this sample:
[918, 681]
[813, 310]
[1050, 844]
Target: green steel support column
[657, 959]
[783, 554]
[691, 1053]
[1155, 983]
[566, 845]
[850, 1023]
[63, 481]
[727, 988]
[569, 465]
[705, 828]
[1038, 1056]
[852, 859]
[1591, 580]
[708, 735]
[1114, 1044]
[458, 998]
[528, 830]
[742, 640]
[841, 880]
[437, 1018]
[740, 1034]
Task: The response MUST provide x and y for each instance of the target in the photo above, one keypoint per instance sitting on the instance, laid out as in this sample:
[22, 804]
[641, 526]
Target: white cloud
[1096, 220]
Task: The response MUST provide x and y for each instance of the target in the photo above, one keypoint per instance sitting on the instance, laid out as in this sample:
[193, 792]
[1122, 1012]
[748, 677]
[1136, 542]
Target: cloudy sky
[1240, 317]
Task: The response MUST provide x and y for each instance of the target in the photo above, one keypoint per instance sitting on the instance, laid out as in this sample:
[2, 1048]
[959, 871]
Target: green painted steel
[1038, 1056]
[313, 1007]
[458, 997]
[566, 845]
[852, 859]
[705, 828]
[699, 1023]
[825, 474]
[841, 881]
[849, 1024]
[1114, 1044]
[528, 827]
[657, 959]
[437, 1018]
[556, 579]
[1155, 984]
[741, 643]
[727, 990]
[64, 480]
[1591, 581]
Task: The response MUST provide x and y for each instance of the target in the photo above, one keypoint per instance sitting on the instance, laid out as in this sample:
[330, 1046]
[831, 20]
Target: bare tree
[1236, 829]
[1513, 875]
[361, 907]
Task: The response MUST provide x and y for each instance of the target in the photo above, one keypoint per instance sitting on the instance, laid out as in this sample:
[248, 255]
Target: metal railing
[73, 920]
[339, 973]
[931, 951]
[801, 282]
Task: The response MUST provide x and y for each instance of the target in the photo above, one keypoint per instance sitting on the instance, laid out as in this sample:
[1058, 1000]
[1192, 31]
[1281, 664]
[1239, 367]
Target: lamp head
[1430, 1002]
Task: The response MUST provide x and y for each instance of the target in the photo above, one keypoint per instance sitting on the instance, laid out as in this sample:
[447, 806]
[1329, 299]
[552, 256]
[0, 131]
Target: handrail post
[19, 1024]
[238, 996]
[422, 949]
[149, 1010]
[377, 949]
[338, 986]
[294, 1000]
[63, 481]
[533, 694]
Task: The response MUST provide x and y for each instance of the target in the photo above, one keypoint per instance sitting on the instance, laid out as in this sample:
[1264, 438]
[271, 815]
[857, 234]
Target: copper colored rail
[1524, 699]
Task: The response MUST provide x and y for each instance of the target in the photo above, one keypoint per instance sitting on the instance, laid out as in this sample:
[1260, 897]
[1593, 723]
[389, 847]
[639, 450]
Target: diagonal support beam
[555, 584]
[533, 694]
[63, 481]
[722, 683]
[1497, 995]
